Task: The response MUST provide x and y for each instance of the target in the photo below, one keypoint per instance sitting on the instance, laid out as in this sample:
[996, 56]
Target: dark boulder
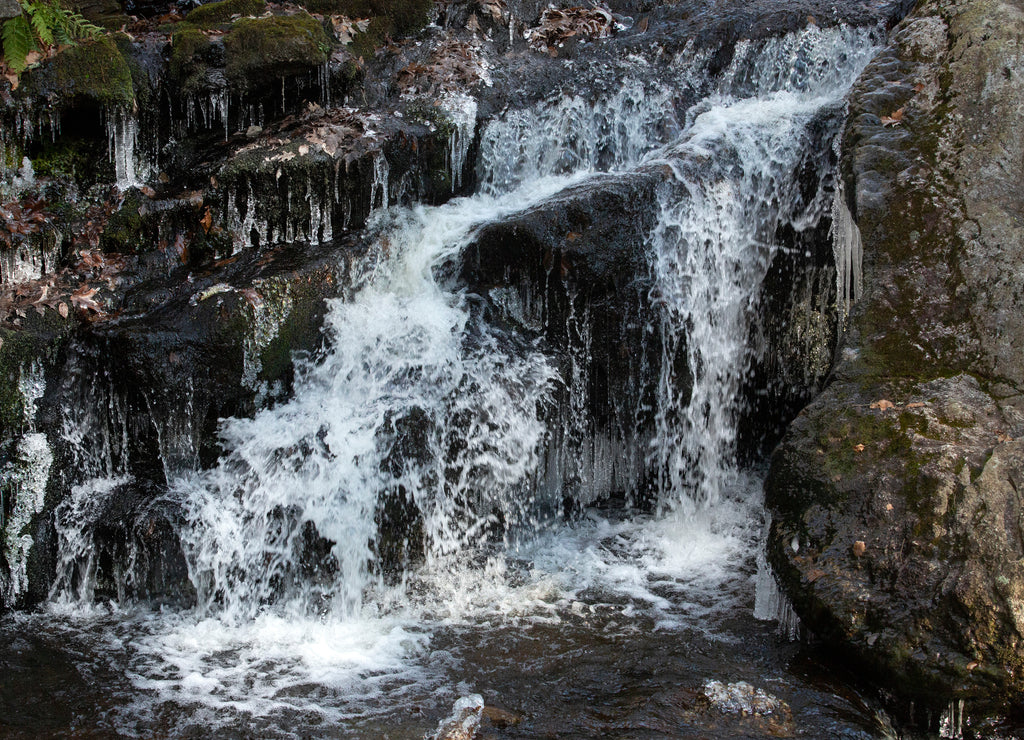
[895, 495]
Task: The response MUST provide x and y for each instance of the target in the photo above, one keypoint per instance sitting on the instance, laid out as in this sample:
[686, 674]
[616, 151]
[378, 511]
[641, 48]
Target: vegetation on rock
[42, 25]
[216, 14]
[262, 49]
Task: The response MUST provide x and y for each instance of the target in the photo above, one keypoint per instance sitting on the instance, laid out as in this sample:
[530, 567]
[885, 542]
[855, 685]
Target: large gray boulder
[898, 522]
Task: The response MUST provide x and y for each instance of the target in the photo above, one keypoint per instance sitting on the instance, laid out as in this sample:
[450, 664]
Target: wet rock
[464, 721]
[9, 9]
[575, 269]
[261, 50]
[93, 71]
[746, 708]
[501, 718]
[929, 484]
[211, 15]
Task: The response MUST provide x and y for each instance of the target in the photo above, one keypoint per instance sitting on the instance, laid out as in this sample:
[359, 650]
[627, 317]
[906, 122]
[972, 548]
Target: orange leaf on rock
[893, 119]
[206, 221]
[882, 405]
[859, 448]
[859, 548]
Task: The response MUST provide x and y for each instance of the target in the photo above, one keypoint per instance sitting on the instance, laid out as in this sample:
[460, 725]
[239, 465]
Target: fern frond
[18, 42]
[80, 27]
[42, 23]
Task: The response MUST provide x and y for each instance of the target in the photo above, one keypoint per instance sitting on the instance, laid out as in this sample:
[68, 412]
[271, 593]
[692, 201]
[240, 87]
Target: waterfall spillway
[413, 446]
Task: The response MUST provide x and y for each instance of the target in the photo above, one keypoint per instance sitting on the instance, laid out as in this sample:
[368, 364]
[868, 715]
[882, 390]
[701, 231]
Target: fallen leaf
[888, 507]
[919, 87]
[1004, 438]
[893, 119]
[915, 405]
[859, 548]
[206, 221]
[814, 575]
[62, 309]
[882, 405]
[859, 448]
[11, 78]
[972, 665]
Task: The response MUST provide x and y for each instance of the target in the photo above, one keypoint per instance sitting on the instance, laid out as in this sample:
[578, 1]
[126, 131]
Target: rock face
[896, 495]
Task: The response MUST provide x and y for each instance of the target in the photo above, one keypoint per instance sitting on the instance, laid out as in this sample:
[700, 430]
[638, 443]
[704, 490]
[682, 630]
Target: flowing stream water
[609, 624]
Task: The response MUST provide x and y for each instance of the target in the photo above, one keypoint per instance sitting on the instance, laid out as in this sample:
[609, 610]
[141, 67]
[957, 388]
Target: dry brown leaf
[814, 575]
[883, 405]
[859, 448]
[62, 309]
[915, 405]
[859, 548]
[206, 221]
[888, 507]
[893, 119]
[12, 78]
[972, 665]
[1004, 438]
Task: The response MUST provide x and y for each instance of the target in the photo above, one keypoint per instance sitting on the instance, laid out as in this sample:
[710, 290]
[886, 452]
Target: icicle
[462, 110]
[770, 604]
[951, 724]
[848, 252]
[122, 137]
[379, 183]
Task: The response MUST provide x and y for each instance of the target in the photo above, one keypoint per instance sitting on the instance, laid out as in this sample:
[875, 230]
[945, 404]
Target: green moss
[83, 160]
[38, 342]
[263, 49]
[190, 50]
[217, 14]
[365, 43]
[390, 18]
[95, 70]
[125, 230]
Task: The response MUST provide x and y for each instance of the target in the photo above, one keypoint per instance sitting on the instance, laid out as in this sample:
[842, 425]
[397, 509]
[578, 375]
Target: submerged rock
[913, 449]
[464, 721]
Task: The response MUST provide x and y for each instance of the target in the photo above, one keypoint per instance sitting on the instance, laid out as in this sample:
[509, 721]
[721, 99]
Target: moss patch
[263, 49]
[216, 14]
[95, 70]
[190, 51]
[389, 18]
[38, 342]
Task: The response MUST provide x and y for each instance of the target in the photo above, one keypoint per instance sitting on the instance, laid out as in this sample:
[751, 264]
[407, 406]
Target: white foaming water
[422, 417]
[739, 166]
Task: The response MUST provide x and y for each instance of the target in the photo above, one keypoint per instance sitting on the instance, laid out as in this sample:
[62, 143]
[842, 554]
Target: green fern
[41, 25]
[18, 42]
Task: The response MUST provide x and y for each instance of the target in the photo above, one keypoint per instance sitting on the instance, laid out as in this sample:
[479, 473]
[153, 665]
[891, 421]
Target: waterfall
[399, 487]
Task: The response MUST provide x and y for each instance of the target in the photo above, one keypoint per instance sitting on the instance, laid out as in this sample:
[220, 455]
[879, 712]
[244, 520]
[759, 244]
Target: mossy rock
[79, 159]
[128, 230]
[36, 343]
[390, 17]
[263, 49]
[95, 70]
[212, 15]
[192, 53]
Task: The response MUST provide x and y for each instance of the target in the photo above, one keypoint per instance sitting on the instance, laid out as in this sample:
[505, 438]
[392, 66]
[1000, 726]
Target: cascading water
[347, 533]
